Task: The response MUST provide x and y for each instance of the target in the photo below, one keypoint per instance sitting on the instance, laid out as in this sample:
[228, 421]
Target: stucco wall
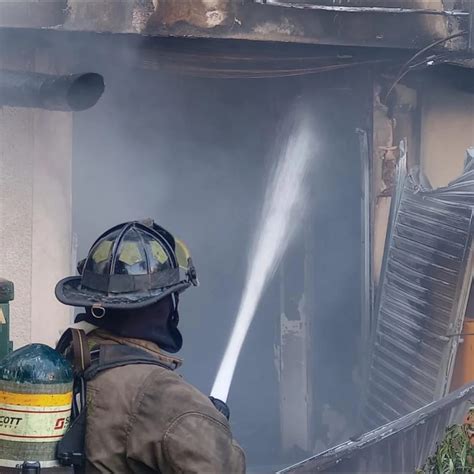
[51, 222]
[35, 218]
[447, 130]
[16, 197]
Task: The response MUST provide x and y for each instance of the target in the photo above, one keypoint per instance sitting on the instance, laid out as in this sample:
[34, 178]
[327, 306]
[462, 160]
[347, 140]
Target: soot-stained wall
[194, 154]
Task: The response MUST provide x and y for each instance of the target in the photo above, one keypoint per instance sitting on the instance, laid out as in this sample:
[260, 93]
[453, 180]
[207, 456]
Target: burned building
[195, 92]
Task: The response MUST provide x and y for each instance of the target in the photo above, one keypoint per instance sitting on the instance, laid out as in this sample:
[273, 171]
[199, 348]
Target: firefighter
[141, 416]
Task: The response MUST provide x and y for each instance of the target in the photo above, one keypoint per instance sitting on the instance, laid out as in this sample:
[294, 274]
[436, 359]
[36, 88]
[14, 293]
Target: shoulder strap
[75, 341]
[86, 363]
[109, 356]
[81, 352]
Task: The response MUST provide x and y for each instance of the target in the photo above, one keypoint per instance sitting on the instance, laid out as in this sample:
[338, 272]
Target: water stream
[281, 216]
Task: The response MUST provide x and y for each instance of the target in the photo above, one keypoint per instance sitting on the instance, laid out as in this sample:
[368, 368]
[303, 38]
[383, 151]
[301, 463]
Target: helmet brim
[69, 291]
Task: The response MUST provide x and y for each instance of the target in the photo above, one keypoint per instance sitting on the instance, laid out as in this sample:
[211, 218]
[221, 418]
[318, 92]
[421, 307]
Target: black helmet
[130, 266]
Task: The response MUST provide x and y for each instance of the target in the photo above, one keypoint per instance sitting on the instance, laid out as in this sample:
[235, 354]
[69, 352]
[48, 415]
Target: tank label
[34, 418]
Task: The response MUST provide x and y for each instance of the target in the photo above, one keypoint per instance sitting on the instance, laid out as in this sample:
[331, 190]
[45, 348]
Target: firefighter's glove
[221, 407]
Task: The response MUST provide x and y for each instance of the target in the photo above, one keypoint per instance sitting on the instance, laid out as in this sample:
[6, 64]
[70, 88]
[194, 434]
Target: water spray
[281, 216]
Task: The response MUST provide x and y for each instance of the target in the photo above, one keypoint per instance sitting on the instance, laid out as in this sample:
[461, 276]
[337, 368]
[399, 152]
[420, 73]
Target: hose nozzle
[221, 407]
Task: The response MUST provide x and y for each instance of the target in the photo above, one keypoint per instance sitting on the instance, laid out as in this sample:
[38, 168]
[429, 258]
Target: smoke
[281, 217]
[193, 153]
[199, 156]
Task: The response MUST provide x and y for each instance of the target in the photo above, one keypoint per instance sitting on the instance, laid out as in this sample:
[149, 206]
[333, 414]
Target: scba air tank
[35, 405]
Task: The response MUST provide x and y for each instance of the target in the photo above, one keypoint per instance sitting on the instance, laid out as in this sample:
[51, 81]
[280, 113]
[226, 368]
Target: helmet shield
[130, 265]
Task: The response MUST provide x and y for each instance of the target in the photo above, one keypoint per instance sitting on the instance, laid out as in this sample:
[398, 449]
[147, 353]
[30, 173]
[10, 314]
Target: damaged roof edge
[251, 20]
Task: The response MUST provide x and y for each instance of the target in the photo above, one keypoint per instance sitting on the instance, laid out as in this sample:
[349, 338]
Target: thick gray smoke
[196, 155]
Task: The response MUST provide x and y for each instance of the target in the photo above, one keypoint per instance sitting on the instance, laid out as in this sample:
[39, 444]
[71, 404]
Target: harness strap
[81, 352]
[109, 356]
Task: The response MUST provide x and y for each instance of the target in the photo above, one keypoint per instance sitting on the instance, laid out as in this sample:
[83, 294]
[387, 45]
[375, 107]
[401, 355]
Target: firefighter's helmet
[130, 266]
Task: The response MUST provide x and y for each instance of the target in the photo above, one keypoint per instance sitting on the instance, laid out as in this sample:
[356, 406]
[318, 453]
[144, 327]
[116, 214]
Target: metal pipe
[346, 9]
[68, 93]
[29, 468]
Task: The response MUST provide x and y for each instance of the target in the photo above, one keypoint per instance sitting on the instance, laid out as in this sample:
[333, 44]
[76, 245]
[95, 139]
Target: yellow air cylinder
[35, 405]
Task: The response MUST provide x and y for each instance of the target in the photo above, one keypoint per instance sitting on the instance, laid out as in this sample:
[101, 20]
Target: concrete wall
[447, 130]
